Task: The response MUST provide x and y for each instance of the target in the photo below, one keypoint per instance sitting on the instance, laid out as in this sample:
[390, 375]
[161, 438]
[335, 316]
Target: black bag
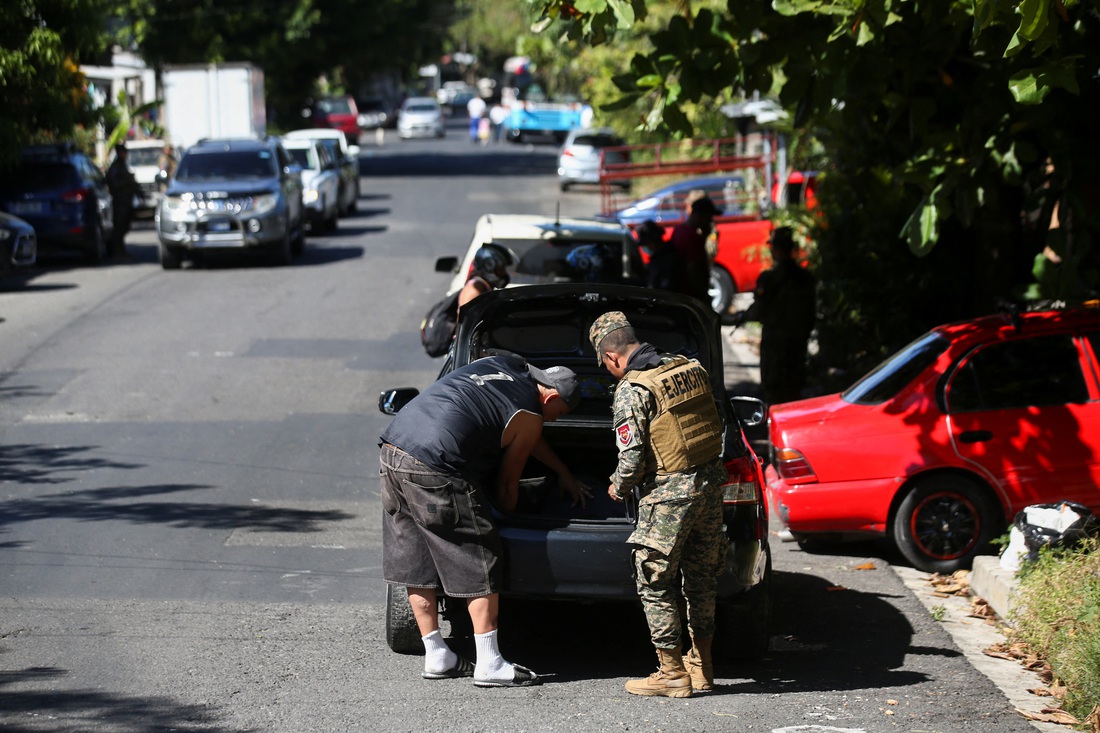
[1037, 536]
[437, 330]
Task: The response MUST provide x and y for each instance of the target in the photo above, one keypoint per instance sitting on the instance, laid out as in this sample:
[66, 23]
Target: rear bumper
[851, 507]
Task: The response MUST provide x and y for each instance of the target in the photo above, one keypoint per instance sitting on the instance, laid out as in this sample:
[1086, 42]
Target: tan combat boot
[699, 665]
[670, 680]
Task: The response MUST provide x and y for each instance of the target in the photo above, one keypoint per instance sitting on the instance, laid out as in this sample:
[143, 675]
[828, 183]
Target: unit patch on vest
[625, 435]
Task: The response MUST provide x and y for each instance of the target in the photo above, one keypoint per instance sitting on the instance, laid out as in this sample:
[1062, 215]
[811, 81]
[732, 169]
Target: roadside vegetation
[1057, 616]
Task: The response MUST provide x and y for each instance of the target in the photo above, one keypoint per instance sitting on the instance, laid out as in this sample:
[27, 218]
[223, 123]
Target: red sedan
[945, 441]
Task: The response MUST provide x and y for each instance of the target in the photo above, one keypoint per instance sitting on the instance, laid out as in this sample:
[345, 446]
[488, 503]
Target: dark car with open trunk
[554, 550]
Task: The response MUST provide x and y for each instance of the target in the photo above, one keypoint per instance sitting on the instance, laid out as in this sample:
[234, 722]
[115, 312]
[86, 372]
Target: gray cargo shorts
[437, 530]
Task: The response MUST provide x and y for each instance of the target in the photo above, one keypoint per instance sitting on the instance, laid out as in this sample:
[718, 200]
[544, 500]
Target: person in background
[498, 114]
[689, 238]
[670, 456]
[123, 187]
[463, 440]
[784, 305]
[664, 269]
[475, 108]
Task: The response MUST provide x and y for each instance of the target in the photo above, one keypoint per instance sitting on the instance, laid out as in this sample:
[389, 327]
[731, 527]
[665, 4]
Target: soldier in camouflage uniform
[669, 437]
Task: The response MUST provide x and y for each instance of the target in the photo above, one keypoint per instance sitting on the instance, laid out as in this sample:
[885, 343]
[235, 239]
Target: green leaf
[1033, 20]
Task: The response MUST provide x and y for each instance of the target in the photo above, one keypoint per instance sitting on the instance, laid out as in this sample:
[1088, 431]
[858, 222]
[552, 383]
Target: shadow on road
[850, 640]
[73, 709]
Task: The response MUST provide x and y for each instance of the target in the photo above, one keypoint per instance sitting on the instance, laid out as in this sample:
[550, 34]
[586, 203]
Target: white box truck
[215, 100]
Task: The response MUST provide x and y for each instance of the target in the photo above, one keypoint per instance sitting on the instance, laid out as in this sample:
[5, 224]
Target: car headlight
[4, 235]
[310, 195]
[174, 207]
[264, 203]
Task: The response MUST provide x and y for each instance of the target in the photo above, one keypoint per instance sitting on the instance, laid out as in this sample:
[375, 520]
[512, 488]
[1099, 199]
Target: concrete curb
[995, 584]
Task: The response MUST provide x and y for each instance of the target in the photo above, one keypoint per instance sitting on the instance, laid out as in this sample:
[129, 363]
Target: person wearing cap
[664, 268]
[669, 436]
[784, 304]
[489, 271]
[465, 437]
[689, 238]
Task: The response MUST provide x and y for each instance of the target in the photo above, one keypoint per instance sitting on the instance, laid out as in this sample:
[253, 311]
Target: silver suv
[232, 196]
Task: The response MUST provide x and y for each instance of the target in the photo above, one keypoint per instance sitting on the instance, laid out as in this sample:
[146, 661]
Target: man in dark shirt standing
[470, 431]
[689, 238]
[784, 304]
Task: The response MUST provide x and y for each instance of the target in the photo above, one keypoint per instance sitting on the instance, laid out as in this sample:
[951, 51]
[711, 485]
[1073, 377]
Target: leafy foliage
[952, 128]
[42, 93]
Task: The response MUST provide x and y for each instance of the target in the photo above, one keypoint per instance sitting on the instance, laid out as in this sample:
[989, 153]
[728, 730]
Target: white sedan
[320, 181]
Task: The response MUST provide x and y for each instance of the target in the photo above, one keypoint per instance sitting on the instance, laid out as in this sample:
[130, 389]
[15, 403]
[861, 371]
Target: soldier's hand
[612, 493]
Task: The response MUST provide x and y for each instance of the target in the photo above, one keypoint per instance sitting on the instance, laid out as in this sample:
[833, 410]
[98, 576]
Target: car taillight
[742, 486]
[793, 466]
[75, 196]
[568, 152]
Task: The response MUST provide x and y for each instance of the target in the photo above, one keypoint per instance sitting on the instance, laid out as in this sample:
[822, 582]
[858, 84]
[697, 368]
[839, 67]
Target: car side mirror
[294, 170]
[391, 401]
[749, 410]
[161, 178]
[353, 151]
[446, 264]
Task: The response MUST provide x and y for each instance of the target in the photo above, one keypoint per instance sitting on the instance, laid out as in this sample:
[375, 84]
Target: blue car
[668, 204]
[60, 192]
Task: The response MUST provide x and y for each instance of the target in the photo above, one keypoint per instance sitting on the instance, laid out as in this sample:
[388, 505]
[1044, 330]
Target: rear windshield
[573, 260]
[303, 157]
[40, 177]
[334, 106]
[891, 376]
[597, 141]
[232, 164]
[422, 108]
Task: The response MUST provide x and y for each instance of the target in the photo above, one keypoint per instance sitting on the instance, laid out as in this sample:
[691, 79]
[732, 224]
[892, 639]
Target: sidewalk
[741, 358]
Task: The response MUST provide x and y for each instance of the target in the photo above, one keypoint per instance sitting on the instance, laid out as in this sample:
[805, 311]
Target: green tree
[42, 91]
[951, 127]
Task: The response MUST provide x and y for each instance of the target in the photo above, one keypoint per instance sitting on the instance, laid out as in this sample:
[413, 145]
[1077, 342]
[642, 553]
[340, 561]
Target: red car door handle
[975, 436]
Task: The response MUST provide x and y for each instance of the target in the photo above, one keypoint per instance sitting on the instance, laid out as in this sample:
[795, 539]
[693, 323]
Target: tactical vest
[686, 431]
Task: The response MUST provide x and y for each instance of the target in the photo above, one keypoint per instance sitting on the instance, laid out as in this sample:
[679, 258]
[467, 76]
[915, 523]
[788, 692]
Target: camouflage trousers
[680, 548]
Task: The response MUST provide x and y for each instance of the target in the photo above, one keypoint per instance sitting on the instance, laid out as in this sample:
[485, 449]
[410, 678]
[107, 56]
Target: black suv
[60, 192]
[554, 550]
[232, 196]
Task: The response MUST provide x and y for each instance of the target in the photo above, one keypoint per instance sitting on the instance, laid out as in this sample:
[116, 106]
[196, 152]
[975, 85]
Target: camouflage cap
[605, 324]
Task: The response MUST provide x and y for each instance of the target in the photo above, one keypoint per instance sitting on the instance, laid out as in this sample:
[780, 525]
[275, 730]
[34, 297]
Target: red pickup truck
[734, 182]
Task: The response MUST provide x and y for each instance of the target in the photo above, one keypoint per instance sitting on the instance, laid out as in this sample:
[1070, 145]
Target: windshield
[422, 108]
[889, 377]
[304, 157]
[233, 164]
[571, 260]
[144, 156]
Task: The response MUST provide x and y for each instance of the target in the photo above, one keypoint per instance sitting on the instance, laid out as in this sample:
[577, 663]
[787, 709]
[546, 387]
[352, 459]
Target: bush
[1058, 616]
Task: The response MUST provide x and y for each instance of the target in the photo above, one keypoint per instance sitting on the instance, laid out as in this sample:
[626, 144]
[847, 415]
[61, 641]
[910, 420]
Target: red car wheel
[943, 523]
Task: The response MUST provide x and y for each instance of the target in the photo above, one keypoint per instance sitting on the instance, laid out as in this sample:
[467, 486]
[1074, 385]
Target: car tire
[283, 251]
[944, 522]
[298, 244]
[97, 245]
[402, 633]
[743, 630]
[720, 289]
[354, 205]
[564, 186]
[330, 222]
[170, 257]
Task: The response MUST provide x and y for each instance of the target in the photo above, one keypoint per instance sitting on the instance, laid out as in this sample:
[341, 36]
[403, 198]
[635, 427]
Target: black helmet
[490, 263]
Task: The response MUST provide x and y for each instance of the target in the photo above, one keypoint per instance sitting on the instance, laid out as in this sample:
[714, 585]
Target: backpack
[437, 330]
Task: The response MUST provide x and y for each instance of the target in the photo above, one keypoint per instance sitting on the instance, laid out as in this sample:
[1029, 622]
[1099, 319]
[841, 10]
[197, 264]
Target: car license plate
[25, 207]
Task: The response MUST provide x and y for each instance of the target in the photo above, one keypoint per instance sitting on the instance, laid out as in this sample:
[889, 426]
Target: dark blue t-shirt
[455, 425]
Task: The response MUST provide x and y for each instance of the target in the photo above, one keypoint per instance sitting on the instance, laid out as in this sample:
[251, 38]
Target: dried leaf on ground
[1050, 715]
[865, 566]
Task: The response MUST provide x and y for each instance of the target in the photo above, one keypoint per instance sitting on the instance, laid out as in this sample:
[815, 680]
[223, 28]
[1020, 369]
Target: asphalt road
[189, 535]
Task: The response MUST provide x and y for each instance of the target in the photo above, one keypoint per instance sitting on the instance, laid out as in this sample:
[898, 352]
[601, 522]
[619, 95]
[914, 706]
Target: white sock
[438, 657]
[490, 665]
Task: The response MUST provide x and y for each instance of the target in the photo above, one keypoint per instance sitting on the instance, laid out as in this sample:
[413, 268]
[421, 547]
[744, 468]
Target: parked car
[232, 195]
[346, 155]
[150, 164]
[545, 249]
[943, 443]
[60, 192]
[320, 181]
[420, 117]
[554, 550]
[741, 234]
[375, 112]
[338, 113]
[18, 244]
[579, 159]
